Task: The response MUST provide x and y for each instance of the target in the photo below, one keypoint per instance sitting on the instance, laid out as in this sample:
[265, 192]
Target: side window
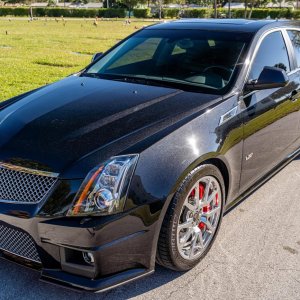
[178, 50]
[295, 38]
[271, 53]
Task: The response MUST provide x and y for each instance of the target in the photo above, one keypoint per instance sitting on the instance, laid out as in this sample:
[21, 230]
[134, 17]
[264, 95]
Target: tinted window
[143, 51]
[295, 38]
[204, 60]
[271, 53]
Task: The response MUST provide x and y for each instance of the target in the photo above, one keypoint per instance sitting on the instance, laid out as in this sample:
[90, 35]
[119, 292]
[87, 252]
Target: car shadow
[297, 157]
[160, 277]
[18, 281]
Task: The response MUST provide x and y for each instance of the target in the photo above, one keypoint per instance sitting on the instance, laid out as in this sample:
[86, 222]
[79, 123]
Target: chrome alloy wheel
[199, 217]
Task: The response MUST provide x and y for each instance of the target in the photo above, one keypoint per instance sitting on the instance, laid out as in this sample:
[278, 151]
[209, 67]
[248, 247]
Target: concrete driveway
[256, 256]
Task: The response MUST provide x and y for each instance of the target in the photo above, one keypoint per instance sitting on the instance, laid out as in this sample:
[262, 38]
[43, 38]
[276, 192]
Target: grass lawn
[40, 52]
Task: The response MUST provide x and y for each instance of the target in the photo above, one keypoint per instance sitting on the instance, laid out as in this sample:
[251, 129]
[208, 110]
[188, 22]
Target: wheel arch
[213, 158]
[220, 164]
[216, 161]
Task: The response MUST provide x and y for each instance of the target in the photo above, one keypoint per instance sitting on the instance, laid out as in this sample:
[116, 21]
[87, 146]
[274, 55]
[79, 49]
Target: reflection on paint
[192, 141]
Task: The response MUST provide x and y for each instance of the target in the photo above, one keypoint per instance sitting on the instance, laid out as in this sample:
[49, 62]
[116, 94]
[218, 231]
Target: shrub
[263, 13]
[289, 13]
[38, 12]
[257, 13]
[155, 13]
[195, 13]
[18, 12]
[296, 14]
[141, 13]
[238, 13]
[221, 12]
[171, 12]
[112, 12]
[66, 12]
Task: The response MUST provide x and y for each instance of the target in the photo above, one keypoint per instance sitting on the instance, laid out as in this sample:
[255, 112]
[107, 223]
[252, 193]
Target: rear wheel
[192, 220]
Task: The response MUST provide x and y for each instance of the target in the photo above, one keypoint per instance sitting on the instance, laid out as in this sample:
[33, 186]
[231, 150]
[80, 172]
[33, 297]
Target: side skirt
[261, 181]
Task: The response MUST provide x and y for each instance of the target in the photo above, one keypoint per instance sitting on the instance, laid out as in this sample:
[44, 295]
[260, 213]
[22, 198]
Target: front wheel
[192, 220]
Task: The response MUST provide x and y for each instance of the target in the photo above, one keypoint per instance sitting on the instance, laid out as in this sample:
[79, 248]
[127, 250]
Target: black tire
[167, 251]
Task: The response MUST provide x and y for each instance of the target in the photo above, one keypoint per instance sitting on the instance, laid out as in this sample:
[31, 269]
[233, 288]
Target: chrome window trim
[293, 72]
[28, 170]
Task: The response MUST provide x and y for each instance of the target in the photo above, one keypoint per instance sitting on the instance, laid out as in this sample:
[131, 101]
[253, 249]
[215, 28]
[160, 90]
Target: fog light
[88, 257]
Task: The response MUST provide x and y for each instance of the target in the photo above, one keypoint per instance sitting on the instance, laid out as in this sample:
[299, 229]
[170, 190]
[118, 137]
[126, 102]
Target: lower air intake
[19, 243]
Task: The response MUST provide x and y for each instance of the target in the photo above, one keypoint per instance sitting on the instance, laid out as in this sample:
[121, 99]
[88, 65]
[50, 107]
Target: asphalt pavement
[256, 256]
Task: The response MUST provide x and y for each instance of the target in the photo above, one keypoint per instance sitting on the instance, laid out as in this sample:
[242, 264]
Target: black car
[135, 159]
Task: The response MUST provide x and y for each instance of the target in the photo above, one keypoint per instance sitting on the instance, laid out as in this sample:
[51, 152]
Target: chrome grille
[24, 185]
[19, 243]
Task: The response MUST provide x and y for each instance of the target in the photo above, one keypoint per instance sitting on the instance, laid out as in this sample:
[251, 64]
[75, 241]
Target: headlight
[104, 190]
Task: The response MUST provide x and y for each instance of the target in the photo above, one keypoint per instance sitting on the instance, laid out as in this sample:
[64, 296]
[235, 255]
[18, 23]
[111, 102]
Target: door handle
[294, 96]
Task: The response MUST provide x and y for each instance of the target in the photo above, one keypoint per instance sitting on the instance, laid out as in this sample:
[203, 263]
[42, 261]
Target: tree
[52, 2]
[160, 4]
[246, 6]
[251, 9]
[215, 9]
[229, 9]
[256, 3]
[131, 4]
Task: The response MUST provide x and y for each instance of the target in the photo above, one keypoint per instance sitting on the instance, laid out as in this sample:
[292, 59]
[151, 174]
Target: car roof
[237, 25]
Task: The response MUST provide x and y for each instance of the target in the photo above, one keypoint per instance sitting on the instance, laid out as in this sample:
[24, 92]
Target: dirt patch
[5, 47]
[291, 250]
[52, 64]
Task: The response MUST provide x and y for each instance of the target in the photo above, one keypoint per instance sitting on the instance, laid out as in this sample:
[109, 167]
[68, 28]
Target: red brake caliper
[192, 194]
[207, 208]
[201, 194]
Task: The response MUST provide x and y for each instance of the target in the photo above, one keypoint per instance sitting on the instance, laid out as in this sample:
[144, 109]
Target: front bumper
[123, 247]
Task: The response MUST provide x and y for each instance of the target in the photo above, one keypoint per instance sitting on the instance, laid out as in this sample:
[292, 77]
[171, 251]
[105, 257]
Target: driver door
[270, 116]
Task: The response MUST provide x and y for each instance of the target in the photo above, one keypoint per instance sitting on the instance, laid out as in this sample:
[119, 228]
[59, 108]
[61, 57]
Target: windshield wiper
[189, 83]
[157, 81]
[152, 80]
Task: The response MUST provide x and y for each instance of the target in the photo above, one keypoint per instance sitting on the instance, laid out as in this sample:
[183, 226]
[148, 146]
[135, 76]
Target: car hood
[61, 124]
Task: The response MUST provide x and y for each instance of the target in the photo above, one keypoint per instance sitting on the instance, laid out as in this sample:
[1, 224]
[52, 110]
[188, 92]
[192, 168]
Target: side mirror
[96, 56]
[269, 78]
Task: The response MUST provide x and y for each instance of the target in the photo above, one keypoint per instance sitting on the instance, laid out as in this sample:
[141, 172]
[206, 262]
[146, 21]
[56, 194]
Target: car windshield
[198, 59]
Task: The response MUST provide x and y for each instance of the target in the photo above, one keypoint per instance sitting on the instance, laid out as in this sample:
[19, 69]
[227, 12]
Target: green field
[40, 52]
